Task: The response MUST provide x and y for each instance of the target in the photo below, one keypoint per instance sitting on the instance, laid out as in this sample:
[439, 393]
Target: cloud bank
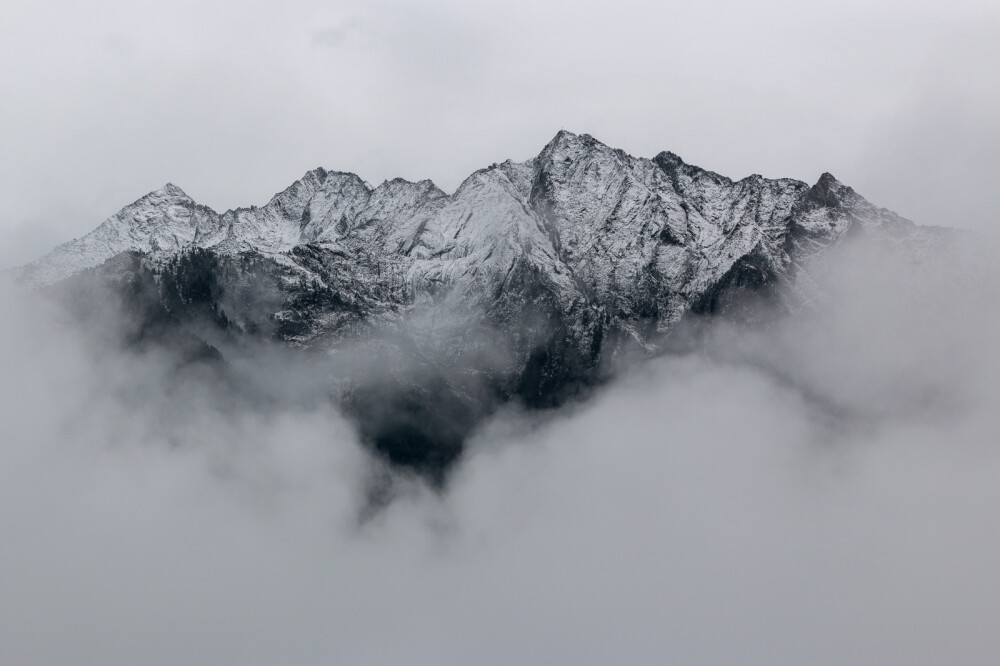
[821, 489]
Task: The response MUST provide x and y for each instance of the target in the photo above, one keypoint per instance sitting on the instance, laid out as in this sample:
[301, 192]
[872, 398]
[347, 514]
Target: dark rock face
[429, 309]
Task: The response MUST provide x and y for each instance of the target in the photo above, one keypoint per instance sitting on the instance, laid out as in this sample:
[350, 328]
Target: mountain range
[429, 310]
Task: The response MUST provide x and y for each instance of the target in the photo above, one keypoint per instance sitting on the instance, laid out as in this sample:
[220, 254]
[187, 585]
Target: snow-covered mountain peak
[169, 190]
[587, 214]
[566, 147]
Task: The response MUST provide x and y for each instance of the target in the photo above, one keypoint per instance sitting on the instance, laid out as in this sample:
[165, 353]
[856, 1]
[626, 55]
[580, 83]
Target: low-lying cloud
[819, 490]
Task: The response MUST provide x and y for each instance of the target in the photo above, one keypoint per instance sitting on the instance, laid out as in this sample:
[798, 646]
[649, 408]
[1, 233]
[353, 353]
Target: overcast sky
[105, 101]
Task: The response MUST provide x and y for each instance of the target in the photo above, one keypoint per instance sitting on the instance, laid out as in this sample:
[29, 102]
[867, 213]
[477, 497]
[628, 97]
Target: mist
[818, 488]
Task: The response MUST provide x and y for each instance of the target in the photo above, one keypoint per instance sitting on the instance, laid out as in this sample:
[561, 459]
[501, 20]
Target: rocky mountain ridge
[524, 283]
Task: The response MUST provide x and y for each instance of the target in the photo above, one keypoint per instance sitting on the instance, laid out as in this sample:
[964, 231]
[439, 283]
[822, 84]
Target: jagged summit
[579, 200]
[826, 190]
[170, 190]
[669, 159]
[563, 137]
[578, 197]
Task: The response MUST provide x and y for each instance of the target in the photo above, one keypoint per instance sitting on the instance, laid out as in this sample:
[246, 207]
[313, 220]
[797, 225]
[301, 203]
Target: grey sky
[105, 101]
